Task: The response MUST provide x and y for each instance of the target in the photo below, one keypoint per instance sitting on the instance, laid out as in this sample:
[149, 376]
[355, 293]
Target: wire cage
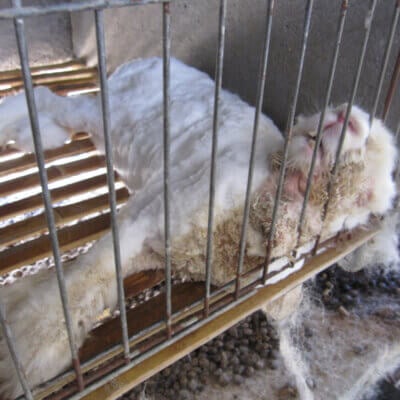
[126, 349]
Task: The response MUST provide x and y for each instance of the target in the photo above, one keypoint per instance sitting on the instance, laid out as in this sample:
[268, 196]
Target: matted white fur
[33, 306]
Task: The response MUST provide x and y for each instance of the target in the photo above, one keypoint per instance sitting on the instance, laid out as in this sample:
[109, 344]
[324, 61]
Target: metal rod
[397, 168]
[105, 109]
[33, 116]
[392, 87]
[385, 61]
[288, 132]
[397, 133]
[166, 143]
[214, 148]
[82, 5]
[334, 170]
[318, 139]
[259, 103]
[6, 331]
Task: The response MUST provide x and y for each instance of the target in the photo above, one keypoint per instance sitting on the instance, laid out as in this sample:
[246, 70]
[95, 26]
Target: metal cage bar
[83, 5]
[288, 132]
[331, 182]
[397, 167]
[166, 141]
[214, 147]
[394, 81]
[385, 61]
[259, 103]
[105, 111]
[318, 138]
[33, 116]
[14, 355]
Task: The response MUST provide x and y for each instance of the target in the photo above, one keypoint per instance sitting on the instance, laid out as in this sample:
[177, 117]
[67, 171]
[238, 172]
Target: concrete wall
[136, 32]
[49, 38]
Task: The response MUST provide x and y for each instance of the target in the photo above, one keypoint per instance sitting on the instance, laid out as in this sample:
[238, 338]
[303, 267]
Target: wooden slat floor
[64, 78]
[23, 234]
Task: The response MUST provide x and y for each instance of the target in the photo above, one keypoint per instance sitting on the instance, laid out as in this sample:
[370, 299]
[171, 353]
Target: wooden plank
[52, 77]
[28, 160]
[69, 238]
[142, 316]
[54, 173]
[8, 151]
[64, 90]
[42, 69]
[61, 78]
[130, 376]
[136, 283]
[60, 84]
[34, 202]
[37, 225]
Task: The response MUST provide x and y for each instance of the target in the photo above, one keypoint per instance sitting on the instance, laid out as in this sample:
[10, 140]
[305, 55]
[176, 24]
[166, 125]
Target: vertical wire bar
[214, 148]
[397, 169]
[33, 116]
[385, 60]
[14, 356]
[392, 87]
[334, 170]
[166, 144]
[288, 131]
[105, 108]
[318, 139]
[259, 104]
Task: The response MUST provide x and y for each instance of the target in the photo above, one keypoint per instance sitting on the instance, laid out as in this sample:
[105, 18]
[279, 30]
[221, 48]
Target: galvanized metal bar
[105, 108]
[335, 167]
[288, 132]
[259, 103]
[392, 88]
[6, 331]
[34, 120]
[339, 35]
[397, 168]
[214, 149]
[385, 61]
[82, 5]
[166, 143]
[396, 137]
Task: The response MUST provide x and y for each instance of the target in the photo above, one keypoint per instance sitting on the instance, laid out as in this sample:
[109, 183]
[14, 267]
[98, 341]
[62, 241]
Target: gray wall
[136, 32]
[49, 38]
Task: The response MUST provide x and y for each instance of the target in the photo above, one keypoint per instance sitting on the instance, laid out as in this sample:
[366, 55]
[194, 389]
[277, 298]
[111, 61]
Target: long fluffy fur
[364, 186]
